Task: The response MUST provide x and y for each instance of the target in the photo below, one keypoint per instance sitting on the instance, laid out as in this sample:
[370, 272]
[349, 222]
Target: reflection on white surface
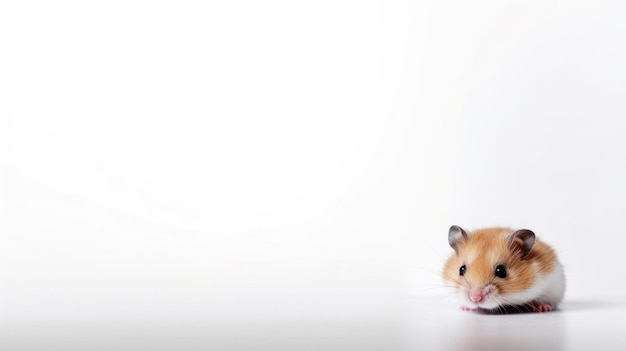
[424, 324]
[578, 325]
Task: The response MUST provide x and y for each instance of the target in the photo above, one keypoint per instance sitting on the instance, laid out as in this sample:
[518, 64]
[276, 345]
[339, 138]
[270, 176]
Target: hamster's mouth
[484, 297]
[489, 303]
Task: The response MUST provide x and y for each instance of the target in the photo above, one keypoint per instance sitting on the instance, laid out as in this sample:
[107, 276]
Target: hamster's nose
[477, 296]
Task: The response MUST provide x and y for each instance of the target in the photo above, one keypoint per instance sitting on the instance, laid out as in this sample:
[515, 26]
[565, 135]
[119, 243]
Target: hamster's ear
[455, 235]
[524, 240]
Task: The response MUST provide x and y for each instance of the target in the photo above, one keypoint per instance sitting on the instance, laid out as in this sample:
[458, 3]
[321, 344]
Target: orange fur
[484, 249]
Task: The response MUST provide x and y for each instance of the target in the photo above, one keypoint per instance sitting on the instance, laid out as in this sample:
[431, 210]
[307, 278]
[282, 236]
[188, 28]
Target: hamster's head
[490, 268]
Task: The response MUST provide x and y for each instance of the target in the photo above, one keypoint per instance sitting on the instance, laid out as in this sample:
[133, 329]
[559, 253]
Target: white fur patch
[547, 289]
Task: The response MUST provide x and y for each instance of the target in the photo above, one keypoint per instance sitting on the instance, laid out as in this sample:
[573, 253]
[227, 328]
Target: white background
[239, 163]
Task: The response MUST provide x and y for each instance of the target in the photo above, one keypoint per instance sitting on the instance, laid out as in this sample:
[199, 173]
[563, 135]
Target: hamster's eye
[462, 270]
[500, 271]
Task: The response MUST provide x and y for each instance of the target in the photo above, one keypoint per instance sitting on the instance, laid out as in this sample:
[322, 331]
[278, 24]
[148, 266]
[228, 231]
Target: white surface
[577, 325]
[262, 169]
[425, 324]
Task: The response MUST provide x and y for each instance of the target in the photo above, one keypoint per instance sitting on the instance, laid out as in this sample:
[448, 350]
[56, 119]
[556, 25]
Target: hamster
[501, 270]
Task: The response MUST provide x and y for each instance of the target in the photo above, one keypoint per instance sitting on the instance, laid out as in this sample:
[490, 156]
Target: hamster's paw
[540, 307]
[465, 308]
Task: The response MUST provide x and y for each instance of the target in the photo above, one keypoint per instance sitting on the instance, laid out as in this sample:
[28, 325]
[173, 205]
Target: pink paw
[465, 308]
[538, 307]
